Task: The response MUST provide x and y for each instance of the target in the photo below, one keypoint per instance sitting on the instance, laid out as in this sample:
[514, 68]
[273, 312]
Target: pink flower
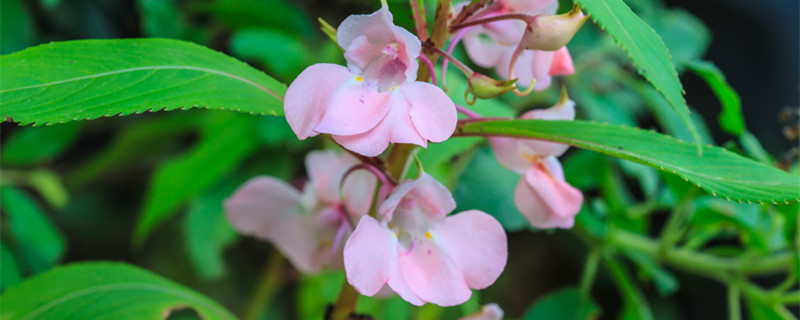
[375, 100]
[542, 195]
[424, 255]
[487, 312]
[492, 45]
[307, 228]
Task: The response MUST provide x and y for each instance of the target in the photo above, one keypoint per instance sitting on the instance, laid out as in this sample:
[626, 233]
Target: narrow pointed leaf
[88, 79]
[718, 171]
[646, 50]
[103, 290]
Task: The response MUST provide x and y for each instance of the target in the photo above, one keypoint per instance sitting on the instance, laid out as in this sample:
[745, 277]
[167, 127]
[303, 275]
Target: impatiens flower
[376, 99]
[492, 45]
[542, 195]
[487, 312]
[309, 227]
[423, 254]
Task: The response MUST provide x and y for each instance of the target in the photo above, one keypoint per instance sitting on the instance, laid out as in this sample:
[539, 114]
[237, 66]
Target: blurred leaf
[225, 141]
[145, 136]
[758, 228]
[276, 14]
[9, 269]
[493, 195]
[50, 187]
[718, 171]
[392, 308]
[40, 243]
[563, 304]
[666, 284]
[597, 103]
[162, 19]
[103, 290]
[275, 131]
[32, 146]
[647, 176]
[753, 148]
[88, 79]
[208, 233]
[687, 38]
[646, 50]
[316, 292]
[580, 168]
[668, 120]
[50, 4]
[763, 311]
[282, 54]
[445, 161]
[16, 27]
[730, 119]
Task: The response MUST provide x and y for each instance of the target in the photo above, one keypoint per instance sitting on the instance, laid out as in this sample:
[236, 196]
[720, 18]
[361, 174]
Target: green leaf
[687, 38]
[50, 187]
[753, 148]
[666, 284]
[208, 232]
[718, 171]
[31, 146]
[9, 269]
[276, 14]
[17, 30]
[40, 243]
[635, 305]
[225, 141]
[646, 50]
[730, 119]
[103, 290]
[487, 186]
[88, 79]
[565, 304]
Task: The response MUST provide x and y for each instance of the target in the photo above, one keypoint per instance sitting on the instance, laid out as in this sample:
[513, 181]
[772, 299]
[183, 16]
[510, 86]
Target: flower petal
[477, 243]
[508, 152]
[488, 312]
[307, 98]
[432, 111]
[270, 209]
[325, 170]
[562, 63]
[369, 255]
[545, 200]
[356, 107]
[432, 197]
[432, 275]
[560, 111]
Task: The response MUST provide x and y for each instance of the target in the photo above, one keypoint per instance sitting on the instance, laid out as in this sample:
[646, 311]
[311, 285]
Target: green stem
[632, 296]
[345, 304]
[734, 303]
[268, 285]
[673, 230]
[398, 160]
[590, 272]
[791, 298]
[700, 263]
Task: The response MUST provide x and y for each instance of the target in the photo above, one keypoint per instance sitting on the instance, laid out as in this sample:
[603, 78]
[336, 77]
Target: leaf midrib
[158, 67]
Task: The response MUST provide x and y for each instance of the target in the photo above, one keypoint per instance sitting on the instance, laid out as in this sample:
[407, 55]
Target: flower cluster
[403, 236]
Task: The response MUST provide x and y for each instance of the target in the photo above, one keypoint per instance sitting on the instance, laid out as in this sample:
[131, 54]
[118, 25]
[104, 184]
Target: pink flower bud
[552, 32]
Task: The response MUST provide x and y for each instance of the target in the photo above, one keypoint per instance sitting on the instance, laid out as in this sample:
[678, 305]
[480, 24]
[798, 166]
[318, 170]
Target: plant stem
[699, 263]
[673, 230]
[734, 301]
[589, 272]
[791, 298]
[345, 304]
[398, 158]
[630, 293]
[518, 16]
[267, 286]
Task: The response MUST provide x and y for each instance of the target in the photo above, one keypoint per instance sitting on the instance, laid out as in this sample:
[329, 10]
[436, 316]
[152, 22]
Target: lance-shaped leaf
[646, 50]
[87, 79]
[103, 290]
[718, 171]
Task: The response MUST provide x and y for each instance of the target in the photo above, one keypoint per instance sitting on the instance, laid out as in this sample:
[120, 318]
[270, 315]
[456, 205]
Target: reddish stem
[429, 64]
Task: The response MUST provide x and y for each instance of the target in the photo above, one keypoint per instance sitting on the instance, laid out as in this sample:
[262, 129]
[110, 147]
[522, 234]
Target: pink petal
[398, 283]
[358, 190]
[508, 152]
[534, 7]
[307, 97]
[432, 275]
[325, 170]
[270, 209]
[562, 63]
[377, 27]
[547, 202]
[561, 111]
[354, 108]
[432, 111]
[432, 197]
[476, 242]
[483, 51]
[369, 255]
[488, 312]
[396, 127]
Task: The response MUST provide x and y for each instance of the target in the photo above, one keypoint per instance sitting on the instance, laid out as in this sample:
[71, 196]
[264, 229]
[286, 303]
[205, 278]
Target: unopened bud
[552, 32]
[484, 87]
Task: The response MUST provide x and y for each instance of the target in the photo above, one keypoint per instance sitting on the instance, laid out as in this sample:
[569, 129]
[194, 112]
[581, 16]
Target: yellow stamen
[359, 79]
[428, 235]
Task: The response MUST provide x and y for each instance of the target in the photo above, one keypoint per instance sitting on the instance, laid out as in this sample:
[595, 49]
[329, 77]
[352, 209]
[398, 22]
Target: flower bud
[552, 32]
[484, 87]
